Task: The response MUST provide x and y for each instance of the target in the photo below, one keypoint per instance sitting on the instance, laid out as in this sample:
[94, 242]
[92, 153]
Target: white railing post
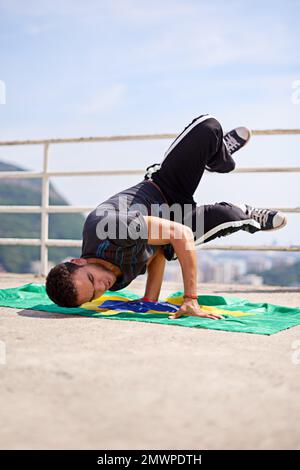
[44, 213]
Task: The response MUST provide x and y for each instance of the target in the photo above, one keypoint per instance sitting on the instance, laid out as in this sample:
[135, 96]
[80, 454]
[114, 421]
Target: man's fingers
[212, 316]
[215, 317]
[175, 315]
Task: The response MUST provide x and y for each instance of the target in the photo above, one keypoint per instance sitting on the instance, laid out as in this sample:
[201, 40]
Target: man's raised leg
[201, 145]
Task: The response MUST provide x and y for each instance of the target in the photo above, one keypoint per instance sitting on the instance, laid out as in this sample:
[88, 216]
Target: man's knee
[214, 126]
[225, 211]
[221, 166]
[214, 133]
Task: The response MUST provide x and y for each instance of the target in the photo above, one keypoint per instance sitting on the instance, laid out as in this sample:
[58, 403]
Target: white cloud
[175, 34]
[202, 38]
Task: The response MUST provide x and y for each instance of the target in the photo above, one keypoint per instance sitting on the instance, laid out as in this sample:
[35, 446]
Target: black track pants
[200, 146]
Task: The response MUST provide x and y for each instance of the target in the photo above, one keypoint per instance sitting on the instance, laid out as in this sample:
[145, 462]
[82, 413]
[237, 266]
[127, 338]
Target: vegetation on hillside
[28, 192]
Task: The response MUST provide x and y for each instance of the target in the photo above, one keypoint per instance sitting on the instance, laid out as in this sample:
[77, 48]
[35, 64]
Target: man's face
[91, 281]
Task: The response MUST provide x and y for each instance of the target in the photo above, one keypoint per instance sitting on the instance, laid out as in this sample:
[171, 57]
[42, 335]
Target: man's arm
[155, 275]
[163, 231]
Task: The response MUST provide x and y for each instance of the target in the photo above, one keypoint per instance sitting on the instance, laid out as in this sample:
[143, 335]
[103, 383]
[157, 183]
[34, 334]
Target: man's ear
[79, 261]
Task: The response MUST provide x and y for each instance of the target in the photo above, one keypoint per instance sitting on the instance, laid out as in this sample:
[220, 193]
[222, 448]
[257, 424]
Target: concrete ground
[84, 383]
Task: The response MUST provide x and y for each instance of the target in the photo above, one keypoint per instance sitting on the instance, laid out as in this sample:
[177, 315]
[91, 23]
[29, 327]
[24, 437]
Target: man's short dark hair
[60, 286]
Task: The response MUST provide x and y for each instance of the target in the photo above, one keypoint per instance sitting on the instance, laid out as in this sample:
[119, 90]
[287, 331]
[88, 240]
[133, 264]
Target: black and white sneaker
[267, 218]
[150, 170]
[236, 139]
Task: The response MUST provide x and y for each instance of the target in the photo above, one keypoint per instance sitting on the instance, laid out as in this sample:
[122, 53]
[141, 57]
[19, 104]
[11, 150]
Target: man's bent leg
[200, 144]
[212, 221]
[218, 220]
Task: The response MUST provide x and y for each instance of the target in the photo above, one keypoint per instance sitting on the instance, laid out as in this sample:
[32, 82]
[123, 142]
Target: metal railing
[44, 209]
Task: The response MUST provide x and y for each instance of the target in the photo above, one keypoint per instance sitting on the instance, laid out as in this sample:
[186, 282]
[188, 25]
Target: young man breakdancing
[138, 229]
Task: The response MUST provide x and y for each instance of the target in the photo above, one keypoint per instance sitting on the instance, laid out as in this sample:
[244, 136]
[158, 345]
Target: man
[156, 220]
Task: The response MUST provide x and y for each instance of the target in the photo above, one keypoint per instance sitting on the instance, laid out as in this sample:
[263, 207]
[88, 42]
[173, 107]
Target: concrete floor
[84, 383]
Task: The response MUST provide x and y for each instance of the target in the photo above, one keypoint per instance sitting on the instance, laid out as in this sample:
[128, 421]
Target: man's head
[73, 283]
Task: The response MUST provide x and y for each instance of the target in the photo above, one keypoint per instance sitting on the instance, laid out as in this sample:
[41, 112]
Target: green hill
[28, 192]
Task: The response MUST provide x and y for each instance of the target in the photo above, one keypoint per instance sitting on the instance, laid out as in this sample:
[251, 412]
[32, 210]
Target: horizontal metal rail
[249, 247]
[51, 242]
[45, 209]
[122, 138]
[52, 174]
[78, 209]
[55, 174]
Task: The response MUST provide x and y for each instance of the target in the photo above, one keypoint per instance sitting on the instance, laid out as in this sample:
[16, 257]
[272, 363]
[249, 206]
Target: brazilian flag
[239, 315]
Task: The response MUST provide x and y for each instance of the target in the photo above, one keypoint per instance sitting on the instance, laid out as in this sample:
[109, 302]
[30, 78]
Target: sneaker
[236, 139]
[267, 218]
[150, 170]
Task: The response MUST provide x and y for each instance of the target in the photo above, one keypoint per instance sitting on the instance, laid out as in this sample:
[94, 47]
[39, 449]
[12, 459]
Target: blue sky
[80, 68]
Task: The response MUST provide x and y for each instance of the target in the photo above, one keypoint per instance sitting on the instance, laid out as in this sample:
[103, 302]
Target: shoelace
[260, 215]
[231, 143]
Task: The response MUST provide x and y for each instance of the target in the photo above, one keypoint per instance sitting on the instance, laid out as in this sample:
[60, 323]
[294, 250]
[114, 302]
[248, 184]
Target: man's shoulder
[139, 195]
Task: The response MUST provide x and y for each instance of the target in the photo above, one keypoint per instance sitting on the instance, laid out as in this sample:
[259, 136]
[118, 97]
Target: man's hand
[192, 308]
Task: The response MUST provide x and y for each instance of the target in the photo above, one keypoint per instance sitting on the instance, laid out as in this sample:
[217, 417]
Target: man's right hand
[192, 308]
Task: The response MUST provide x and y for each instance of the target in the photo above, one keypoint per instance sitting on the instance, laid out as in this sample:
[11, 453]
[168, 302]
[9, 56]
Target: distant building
[252, 280]
[257, 264]
[221, 271]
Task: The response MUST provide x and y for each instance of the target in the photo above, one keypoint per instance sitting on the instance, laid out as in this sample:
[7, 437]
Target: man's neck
[106, 264]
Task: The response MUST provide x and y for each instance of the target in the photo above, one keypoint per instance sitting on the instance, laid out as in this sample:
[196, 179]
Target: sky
[88, 68]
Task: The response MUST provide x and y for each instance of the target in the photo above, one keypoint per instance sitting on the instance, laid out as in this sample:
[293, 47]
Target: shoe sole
[250, 135]
[247, 141]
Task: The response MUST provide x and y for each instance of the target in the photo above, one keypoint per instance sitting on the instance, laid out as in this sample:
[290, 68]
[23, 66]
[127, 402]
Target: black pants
[200, 146]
